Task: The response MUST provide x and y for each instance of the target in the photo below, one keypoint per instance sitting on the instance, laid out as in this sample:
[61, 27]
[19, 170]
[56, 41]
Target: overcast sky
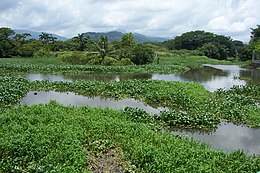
[165, 18]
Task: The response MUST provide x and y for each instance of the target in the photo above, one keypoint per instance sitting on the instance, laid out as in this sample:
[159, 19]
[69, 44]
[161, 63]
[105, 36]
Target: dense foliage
[46, 138]
[98, 52]
[54, 65]
[126, 51]
[11, 90]
[213, 45]
[254, 45]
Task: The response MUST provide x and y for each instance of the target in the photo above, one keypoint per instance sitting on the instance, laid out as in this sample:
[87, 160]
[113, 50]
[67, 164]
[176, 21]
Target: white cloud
[151, 17]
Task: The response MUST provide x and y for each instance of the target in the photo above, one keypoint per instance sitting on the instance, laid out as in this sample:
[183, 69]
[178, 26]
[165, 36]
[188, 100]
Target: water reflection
[229, 137]
[69, 98]
[212, 77]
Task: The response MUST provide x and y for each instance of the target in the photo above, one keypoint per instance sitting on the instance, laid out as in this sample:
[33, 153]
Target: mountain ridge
[112, 36]
[35, 34]
[117, 35]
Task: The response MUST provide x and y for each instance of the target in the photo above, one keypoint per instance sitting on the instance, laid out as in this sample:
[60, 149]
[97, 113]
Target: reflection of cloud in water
[222, 82]
[225, 67]
[168, 77]
[50, 77]
[35, 97]
[230, 137]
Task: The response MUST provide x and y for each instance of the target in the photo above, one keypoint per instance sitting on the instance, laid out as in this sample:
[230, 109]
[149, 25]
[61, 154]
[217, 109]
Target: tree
[47, 39]
[127, 41]
[82, 39]
[102, 48]
[142, 55]
[196, 39]
[6, 44]
[210, 50]
[247, 51]
[126, 46]
[6, 32]
[255, 34]
[21, 37]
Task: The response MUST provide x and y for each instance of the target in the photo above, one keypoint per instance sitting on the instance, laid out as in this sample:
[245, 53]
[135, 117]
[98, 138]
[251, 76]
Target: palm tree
[47, 39]
[82, 40]
[102, 48]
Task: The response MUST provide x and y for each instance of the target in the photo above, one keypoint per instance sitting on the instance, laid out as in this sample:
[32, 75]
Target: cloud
[158, 18]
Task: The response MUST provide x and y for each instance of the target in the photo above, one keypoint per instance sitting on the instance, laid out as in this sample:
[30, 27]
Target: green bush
[75, 57]
[125, 61]
[41, 53]
[108, 61]
[25, 51]
[142, 55]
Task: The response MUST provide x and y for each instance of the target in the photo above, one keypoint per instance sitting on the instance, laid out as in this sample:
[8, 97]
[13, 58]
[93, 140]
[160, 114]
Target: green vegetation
[45, 138]
[212, 45]
[45, 65]
[11, 90]
[83, 50]
[54, 138]
[191, 105]
[186, 99]
[167, 64]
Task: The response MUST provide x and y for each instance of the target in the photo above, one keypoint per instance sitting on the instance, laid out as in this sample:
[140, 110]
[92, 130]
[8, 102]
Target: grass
[47, 138]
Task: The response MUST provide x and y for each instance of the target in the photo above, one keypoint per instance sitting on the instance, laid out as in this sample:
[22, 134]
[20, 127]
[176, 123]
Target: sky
[162, 18]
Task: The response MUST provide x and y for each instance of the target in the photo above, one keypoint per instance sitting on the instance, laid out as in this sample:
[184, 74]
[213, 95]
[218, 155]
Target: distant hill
[35, 35]
[116, 36]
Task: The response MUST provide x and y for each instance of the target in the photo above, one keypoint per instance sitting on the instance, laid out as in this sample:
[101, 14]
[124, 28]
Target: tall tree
[6, 32]
[196, 39]
[6, 44]
[47, 39]
[255, 34]
[21, 37]
[82, 39]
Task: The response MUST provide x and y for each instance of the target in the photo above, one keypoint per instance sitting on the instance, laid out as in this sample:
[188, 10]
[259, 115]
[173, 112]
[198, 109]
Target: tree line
[216, 46]
[83, 49]
[126, 50]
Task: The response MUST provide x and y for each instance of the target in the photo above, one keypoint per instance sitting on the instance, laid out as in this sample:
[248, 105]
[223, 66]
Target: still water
[72, 99]
[212, 77]
[229, 137]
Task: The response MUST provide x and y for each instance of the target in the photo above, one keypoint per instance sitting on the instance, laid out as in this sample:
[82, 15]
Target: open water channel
[226, 137]
[212, 77]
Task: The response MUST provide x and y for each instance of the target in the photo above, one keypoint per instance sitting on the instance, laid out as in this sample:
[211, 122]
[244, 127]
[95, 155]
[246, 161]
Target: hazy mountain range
[35, 35]
[116, 36]
[112, 36]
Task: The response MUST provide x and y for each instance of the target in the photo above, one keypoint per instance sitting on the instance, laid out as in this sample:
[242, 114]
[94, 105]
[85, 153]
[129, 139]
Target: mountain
[116, 36]
[35, 35]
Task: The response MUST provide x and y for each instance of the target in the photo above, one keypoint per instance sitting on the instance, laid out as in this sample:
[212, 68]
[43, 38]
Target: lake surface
[212, 77]
[229, 137]
[72, 99]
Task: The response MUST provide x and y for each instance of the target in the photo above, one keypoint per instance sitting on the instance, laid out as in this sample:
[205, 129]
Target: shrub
[75, 57]
[25, 51]
[142, 55]
[108, 61]
[41, 53]
[125, 61]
